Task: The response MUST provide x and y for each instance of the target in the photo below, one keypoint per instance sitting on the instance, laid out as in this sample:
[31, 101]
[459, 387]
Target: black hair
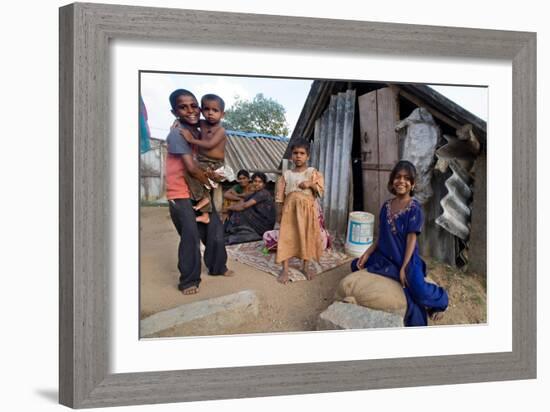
[244, 173]
[407, 167]
[261, 176]
[300, 142]
[213, 97]
[177, 93]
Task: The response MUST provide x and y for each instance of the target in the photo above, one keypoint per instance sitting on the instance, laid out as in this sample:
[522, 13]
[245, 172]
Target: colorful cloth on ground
[386, 260]
[300, 234]
[253, 254]
[260, 218]
[144, 132]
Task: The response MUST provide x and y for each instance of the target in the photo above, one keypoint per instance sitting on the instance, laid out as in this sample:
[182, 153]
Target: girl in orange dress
[296, 193]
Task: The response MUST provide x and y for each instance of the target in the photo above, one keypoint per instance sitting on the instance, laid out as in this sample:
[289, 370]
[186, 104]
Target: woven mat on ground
[252, 255]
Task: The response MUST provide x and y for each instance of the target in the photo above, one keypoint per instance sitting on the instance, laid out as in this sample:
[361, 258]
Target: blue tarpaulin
[144, 132]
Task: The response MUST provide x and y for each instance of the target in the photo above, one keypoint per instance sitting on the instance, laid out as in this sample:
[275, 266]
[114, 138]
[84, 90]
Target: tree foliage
[261, 115]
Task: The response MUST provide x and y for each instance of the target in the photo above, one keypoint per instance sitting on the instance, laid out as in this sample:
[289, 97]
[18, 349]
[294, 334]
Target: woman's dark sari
[250, 224]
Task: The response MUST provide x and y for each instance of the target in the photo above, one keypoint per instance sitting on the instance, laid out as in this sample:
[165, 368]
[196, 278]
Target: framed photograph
[107, 51]
[340, 119]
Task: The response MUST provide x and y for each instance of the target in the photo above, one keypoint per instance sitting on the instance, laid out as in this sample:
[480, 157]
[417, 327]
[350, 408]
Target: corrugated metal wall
[152, 185]
[456, 211]
[331, 155]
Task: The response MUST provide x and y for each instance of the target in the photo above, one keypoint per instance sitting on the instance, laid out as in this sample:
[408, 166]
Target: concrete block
[207, 317]
[348, 316]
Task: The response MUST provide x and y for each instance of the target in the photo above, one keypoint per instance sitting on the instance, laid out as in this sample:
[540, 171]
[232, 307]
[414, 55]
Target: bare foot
[204, 218]
[436, 316]
[227, 273]
[191, 290]
[201, 203]
[283, 277]
[308, 272]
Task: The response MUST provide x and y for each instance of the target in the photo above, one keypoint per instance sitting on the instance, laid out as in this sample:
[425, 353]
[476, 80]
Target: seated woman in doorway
[252, 216]
[238, 192]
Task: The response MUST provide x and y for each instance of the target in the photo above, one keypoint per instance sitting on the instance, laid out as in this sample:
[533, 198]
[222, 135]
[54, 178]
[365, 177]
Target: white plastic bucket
[360, 232]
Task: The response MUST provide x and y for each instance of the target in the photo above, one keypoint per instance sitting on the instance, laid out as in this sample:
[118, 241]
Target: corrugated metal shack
[254, 152]
[359, 130]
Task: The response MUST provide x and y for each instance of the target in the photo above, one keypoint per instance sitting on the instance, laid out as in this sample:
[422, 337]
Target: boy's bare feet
[204, 218]
[227, 273]
[202, 203]
[191, 290]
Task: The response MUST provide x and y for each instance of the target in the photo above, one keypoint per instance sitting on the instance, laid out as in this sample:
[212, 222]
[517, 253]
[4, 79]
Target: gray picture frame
[85, 32]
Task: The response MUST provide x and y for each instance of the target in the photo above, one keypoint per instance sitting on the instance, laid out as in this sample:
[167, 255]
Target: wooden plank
[368, 126]
[371, 190]
[384, 194]
[388, 117]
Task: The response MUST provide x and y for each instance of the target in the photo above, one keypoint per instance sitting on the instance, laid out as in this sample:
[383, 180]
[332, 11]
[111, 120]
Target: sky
[156, 87]
[291, 93]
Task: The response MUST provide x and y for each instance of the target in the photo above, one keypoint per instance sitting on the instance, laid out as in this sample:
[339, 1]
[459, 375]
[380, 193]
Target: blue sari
[386, 260]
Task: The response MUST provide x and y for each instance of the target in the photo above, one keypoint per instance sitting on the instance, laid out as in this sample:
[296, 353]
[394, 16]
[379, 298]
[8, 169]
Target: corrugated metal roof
[255, 152]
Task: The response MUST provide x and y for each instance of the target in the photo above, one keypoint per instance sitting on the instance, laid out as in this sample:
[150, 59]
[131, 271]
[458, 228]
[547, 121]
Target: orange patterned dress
[299, 234]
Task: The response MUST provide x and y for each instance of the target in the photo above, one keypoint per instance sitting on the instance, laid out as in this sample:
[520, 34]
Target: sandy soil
[291, 307]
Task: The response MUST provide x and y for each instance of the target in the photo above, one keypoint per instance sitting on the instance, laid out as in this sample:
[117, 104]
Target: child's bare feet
[283, 277]
[437, 316]
[191, 290]
[204, 218]
[202, 203]
[307, 271]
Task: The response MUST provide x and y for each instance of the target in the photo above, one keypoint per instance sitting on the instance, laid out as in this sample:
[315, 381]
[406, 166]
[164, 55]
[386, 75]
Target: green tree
[260, 115]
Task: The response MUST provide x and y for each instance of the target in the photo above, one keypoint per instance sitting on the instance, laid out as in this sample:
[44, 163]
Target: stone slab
[214, 315]
[340, 316]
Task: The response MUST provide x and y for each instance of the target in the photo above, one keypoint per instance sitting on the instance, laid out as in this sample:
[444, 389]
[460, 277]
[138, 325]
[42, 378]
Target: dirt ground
[292, 307]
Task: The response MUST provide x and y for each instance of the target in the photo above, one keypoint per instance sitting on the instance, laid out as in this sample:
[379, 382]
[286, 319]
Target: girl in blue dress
[395, 252]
